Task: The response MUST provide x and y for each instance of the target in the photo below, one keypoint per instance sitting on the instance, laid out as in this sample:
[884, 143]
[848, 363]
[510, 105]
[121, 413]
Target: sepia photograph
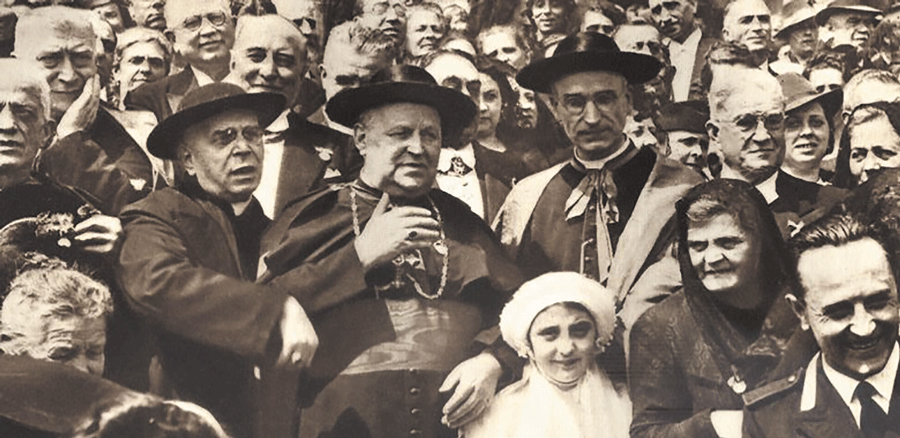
[449, 218]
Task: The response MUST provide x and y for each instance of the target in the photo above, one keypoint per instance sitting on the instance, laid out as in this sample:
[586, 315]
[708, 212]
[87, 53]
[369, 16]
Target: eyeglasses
[215, 18]
[575, 104]
[381, 8]
[305, 24]
[224, 137]
[749, 122]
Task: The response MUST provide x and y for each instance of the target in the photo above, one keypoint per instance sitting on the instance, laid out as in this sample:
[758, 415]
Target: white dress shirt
[883, 382]
[683, 57]
[201, 78]
[768, 187]
[273, 145]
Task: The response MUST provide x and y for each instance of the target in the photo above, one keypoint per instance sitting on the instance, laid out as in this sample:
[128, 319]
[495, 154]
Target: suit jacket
[181, 270]
[163, 96]
[103, 162]
[696, 88]
[806, 404]
[303, 169]
[801, 202]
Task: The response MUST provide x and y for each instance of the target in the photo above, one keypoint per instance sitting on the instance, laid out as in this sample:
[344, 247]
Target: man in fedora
[847, 24]
[399, 278]
[800, 31]
[189, 258]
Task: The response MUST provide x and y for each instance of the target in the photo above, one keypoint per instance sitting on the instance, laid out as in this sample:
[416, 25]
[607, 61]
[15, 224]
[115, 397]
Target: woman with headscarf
[559, 322]
[697, 352]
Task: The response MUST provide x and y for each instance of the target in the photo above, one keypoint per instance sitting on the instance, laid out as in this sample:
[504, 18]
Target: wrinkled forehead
[279, 35]
[350, 62]
[22, 93]
[589, 82]
[235, 118]
[847, 18]
[42, 35]
[409, 114]
[499, 37]
[178, 10]
[746, 8]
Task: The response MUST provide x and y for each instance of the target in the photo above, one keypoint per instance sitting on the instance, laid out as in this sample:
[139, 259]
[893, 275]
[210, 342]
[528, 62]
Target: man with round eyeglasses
[189, 262]
[385, 19]
[203, 33]
[601, 212]
[747, 118]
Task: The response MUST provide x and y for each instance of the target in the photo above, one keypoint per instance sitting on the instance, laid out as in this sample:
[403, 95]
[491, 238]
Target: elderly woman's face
[74, 341]
[141, 63]
[562, 342]
[806, 135]
[874, 145]
[725, 258]
[401, 144]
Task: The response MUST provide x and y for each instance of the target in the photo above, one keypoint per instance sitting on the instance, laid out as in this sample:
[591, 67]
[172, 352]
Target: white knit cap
[553, 288]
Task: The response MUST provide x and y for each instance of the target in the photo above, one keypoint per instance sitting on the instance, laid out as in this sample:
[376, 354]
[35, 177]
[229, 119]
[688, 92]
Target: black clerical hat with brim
[587, 51]
[205, 102]
[403, 84]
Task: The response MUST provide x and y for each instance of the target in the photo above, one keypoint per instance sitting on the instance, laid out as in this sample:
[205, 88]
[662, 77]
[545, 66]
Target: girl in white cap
[560, 322]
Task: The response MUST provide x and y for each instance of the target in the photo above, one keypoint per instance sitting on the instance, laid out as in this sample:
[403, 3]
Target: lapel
[830, 417]
[210, 212]
[667, 183]
[178, 86]
[301, 168]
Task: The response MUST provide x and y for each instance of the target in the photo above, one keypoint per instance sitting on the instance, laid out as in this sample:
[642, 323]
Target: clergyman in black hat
[189, 260]
[399, 278]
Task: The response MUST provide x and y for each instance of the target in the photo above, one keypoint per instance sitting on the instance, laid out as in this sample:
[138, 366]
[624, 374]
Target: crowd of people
[449, 218]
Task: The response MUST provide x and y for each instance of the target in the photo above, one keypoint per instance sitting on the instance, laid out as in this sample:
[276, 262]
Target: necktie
[872, 419]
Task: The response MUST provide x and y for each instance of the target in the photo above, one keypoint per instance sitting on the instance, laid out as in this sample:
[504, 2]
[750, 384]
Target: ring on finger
[412, 235]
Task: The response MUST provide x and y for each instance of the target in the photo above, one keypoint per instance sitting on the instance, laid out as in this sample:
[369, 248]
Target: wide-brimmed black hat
[205, 102]
[587, 51]
[845, 6]
[798, 92]
[688, 116]
[399, 84]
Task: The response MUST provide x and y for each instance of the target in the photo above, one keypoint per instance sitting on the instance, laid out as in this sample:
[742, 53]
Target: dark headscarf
[842, 176]
[756, 350]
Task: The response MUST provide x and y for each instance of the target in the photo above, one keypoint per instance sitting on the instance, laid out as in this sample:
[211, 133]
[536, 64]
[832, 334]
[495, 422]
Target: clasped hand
[394, 231]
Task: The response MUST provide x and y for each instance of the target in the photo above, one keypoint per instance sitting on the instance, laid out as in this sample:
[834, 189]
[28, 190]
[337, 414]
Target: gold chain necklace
[440, 246]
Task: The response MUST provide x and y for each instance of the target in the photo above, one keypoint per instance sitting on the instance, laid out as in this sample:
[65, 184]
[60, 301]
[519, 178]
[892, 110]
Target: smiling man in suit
[848, 298]
[300, 155]
[203, 33]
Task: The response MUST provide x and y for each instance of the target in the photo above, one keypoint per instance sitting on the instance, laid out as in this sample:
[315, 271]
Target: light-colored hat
[553, 288]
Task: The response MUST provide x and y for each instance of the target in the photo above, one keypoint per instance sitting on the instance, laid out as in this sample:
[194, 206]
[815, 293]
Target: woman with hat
[695, 354]
[559, 322]
[808, 127]
[399, 278]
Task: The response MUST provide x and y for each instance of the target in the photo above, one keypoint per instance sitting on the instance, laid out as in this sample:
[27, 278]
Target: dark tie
[872, 419]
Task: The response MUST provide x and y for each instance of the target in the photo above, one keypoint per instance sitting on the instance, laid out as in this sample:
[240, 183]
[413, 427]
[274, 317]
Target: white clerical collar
[598, 164]
[466, 153]
[692, 41]
[883, 381]
[202, 78]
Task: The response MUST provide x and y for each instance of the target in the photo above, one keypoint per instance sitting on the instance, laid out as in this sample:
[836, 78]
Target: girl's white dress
[535, 407]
